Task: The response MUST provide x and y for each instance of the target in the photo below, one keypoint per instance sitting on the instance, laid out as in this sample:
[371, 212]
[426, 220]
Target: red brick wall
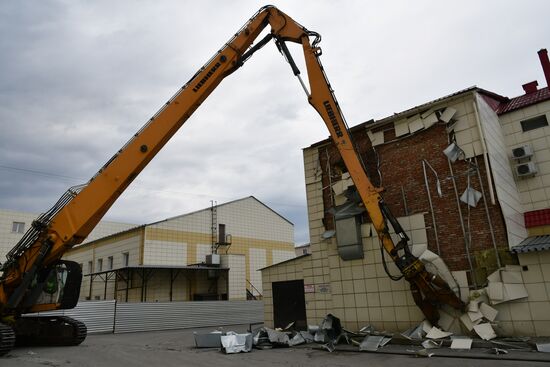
[400, 165]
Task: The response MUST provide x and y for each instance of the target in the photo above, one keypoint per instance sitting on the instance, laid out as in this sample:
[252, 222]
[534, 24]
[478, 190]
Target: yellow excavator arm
[70, 221]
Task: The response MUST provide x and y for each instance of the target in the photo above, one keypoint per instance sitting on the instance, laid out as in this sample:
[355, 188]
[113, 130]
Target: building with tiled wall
[170, 255]
[507, 227]
[14, 224]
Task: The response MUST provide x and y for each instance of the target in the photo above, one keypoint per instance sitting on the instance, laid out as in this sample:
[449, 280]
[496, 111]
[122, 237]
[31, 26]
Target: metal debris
[543, 347]
[371, 343]
[461, 342]
[235, 343]
[296, 340]
[307, 336]
[431, 344]
[416, 333]
[369, 329]
[423, 353]
[498, 351]
[436, 333]
[329, 347]
[485, 331]
[208, 340]
[385, 341]
[312, 329]
[277, 337]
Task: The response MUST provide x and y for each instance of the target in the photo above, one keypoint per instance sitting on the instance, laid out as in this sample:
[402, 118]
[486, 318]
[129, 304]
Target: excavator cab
[57, 285]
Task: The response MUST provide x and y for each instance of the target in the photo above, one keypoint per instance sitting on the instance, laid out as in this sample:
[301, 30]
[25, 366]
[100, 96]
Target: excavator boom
[36, 259]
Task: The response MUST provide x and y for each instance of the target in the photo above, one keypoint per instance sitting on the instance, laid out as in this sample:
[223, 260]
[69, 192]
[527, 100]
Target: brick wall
[400, 166]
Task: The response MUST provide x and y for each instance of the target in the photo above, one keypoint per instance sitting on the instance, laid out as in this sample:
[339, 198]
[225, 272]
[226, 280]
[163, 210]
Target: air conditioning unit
[213, 259]
[526, 169]
[525, 151]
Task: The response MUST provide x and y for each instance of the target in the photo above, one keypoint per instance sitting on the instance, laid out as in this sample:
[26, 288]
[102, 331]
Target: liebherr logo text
[206, 77]
[332, 118]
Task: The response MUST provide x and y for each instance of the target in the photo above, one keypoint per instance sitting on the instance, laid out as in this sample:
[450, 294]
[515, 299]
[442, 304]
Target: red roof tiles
[525, 100]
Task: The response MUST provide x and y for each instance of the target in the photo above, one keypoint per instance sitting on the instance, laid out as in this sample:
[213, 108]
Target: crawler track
[7, 339]
[50, 330]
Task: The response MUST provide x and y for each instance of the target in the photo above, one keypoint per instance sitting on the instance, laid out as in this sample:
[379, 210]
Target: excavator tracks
[7, 339]
[50, 331]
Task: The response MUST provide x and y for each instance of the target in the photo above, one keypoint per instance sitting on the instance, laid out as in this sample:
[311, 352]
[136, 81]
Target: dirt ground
[176, 348]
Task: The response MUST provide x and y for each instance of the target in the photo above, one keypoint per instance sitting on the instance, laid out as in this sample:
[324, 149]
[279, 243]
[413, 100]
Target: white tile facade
[534, 191]
[256, 260]
[282, 255]
[164, 253]
[243, 218]
[506, 188]
[202, 251]
[8, 239]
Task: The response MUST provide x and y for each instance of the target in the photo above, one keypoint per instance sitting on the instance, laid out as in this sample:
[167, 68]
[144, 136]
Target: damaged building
[468, 176]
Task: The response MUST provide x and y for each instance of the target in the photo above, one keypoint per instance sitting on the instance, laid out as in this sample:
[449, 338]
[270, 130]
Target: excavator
[34, 278]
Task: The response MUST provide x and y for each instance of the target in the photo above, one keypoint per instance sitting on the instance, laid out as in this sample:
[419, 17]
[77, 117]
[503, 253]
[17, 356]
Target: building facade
[169, 260]
[14, 224]
[467, 175]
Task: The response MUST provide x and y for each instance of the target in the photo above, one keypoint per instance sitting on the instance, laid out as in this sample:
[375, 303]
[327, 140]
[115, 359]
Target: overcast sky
[79, 78]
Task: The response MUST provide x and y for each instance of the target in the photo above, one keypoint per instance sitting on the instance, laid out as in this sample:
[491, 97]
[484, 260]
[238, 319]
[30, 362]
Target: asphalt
[176, 348]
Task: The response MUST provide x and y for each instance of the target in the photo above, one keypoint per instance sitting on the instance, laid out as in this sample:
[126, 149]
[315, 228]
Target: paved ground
[176, 348]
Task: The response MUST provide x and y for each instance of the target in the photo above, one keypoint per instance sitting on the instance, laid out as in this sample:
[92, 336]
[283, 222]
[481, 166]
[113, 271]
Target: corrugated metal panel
[535, 243]
[132, 317]
[99, 316]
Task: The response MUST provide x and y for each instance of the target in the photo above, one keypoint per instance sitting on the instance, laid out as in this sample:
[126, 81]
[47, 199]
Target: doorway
[289, 304]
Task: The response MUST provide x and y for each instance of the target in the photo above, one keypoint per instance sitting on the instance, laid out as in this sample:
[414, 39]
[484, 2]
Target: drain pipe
[488, 215]
[466, 241]
[424, 163]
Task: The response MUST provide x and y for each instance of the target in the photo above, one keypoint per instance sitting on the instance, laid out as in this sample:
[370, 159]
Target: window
[90, 267]
[125, 258]
[110, 263]
[534, 123]
[99, 265]
[18, 227]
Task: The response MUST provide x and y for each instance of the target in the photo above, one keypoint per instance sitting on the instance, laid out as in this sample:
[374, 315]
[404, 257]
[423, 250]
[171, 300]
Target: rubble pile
[423, 340]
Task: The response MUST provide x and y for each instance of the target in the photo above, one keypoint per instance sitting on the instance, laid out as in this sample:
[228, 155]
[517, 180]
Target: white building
[167, 260]
[14, 224]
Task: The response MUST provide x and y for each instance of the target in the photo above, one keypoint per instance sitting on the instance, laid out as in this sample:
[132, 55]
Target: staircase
[252, 293]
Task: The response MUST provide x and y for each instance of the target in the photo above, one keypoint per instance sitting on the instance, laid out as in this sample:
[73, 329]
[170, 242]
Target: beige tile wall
[529, 316]
[360, 292]
[534, 191]
[290, 270]
[237, 275]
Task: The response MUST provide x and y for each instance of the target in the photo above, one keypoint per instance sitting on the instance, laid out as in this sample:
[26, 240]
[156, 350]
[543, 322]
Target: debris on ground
[423, 353]
[543, 347]
[236, 343]
[208, 340]
[425, 339]
[461, 342]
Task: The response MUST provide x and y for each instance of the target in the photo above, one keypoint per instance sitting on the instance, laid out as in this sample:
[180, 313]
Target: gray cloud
[79, 78]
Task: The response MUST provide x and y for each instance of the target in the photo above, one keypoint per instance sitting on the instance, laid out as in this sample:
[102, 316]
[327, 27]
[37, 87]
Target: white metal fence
[119, 317]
